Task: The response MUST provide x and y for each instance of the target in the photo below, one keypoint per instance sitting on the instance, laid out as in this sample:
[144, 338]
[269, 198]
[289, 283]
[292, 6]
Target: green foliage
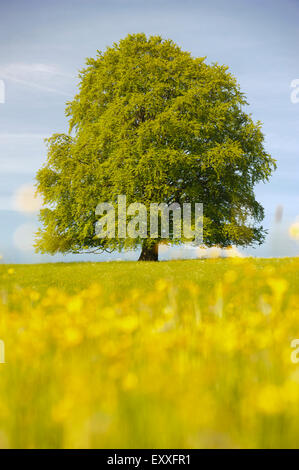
[153, 123]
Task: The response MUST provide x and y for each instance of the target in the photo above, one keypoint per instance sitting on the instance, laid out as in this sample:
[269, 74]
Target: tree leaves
[154, 123]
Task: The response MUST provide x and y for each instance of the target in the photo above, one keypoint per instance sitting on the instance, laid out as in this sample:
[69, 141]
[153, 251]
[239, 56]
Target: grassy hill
[115, 277]
[167, 355]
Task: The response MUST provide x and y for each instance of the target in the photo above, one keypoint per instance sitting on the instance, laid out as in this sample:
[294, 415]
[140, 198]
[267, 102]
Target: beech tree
[155, 124]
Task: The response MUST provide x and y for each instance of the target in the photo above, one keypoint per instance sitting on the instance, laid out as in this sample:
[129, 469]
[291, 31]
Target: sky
[43, 45]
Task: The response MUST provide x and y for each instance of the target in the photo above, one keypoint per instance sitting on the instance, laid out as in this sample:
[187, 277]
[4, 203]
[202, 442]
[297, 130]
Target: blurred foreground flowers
[176, 366]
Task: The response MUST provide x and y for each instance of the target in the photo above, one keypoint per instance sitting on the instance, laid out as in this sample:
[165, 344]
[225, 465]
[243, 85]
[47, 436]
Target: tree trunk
[149, 252]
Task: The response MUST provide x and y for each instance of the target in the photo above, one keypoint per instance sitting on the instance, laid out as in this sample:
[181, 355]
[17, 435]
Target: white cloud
[27, 71]
[44, 77]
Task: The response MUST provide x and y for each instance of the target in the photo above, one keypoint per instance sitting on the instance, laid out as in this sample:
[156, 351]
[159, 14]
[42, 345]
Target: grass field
[176, 354]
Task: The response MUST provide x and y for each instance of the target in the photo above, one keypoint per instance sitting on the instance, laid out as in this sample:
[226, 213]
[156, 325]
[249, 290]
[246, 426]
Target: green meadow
[118, 277]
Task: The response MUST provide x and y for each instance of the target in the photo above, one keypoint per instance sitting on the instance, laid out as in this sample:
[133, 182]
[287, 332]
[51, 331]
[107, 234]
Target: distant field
[118, 277]
[174, 354]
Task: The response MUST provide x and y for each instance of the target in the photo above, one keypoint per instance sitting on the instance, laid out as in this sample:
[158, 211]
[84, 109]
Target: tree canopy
[155, 124]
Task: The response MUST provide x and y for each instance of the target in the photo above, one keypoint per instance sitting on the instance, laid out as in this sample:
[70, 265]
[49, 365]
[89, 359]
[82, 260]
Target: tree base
[149, 253]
